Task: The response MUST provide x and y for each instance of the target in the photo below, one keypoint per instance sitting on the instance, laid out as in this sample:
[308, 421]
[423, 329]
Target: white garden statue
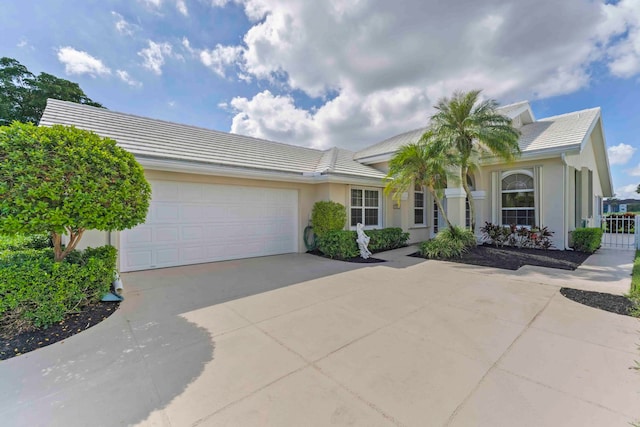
[363, 241]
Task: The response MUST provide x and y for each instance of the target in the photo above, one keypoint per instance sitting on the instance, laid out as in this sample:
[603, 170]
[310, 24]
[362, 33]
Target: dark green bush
[586, 239]
[449, 243]
[19, 242]
[37, 292]
[328, 216]
[339, 244]
[386, 239]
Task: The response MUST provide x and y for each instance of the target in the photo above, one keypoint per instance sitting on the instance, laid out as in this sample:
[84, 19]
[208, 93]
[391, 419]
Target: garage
[191, 223]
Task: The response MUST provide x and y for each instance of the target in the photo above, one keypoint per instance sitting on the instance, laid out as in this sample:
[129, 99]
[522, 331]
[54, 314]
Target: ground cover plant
[452, 242]
[520, 237]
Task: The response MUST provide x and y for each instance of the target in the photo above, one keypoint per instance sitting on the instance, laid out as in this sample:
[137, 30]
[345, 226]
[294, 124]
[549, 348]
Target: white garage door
[190, 223]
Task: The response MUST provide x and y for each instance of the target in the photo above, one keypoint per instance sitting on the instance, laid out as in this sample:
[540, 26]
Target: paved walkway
[298, 340]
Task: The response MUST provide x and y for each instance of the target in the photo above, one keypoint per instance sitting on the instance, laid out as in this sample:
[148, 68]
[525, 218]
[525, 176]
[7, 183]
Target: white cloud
[380, 67]
[620, 154]
[122, 26]
[635, 171]
[221, 57]
[154, 56]
[627, 192]
[80, 62]
[125, 77]
[181, 5]
[622, 29]
[152, 3]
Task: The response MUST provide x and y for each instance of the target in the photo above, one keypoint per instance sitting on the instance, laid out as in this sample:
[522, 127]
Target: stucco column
[479, 197]
[456, 205]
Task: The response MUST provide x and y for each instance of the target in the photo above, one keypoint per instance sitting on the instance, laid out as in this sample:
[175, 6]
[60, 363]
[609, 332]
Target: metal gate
[621, 231]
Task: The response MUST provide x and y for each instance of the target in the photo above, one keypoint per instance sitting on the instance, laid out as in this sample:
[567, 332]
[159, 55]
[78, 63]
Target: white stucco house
[219, 196]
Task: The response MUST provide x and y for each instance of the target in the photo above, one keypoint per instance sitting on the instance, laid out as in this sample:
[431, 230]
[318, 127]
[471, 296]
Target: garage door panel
[192, 223]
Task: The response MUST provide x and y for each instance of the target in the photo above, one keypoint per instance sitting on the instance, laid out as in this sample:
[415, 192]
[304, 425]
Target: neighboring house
[621, 206]
[220, 196]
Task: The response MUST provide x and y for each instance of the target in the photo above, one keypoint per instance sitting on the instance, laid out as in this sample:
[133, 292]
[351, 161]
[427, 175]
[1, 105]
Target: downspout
[565, 206]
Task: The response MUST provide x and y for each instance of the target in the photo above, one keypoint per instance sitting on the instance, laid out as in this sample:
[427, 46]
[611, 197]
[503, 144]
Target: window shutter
[496, 194]
[537, 192]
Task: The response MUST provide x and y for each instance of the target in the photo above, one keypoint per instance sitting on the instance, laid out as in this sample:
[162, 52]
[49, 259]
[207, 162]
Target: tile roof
[557, 132]
[391, 145]
[160, 139]
[512, 110]
[565, 131]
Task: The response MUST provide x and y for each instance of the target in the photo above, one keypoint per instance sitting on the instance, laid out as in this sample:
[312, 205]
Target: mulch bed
[509, 258]
[608, 302]
[70, 325]
[356, 259]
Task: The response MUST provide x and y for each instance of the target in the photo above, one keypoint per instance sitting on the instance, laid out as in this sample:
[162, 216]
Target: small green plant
[36, 291]
[586, 239]
[328, 216]
[452, 242]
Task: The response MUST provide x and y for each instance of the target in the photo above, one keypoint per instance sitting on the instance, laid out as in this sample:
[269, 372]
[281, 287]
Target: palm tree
[468, 129]
[422, 164]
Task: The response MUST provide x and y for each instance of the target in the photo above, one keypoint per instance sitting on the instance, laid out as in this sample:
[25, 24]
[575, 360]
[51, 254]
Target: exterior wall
[550, 199]
[402, 216]
[584, 163]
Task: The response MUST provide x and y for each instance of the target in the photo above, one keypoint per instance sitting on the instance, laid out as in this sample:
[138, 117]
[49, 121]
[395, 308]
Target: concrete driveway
[297, 340]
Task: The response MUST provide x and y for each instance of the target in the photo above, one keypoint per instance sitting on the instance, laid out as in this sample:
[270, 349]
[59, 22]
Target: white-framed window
[436, 218]
[365, 207]
[518, 201]
[419, 206]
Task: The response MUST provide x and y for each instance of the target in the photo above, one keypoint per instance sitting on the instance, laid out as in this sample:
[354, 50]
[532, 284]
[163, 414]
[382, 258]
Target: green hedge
[328, 216]
[449, 243]
[586, 239]
[20, 242]
[341, 244]
[37, 292]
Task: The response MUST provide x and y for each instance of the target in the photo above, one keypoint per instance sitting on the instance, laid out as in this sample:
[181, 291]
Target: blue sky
[339, 72]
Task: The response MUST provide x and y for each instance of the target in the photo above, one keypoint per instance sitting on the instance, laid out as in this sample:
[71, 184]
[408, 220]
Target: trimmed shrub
[20, 242]
[586, 239]
[328, 216]
[36, 292]
[386, 239]
[449, 243]
[339, 244]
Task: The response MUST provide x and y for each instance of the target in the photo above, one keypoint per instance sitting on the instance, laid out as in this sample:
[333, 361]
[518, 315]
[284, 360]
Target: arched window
[518, 202]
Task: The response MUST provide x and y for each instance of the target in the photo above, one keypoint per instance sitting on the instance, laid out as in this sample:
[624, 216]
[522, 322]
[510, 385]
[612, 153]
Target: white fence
[621, 232]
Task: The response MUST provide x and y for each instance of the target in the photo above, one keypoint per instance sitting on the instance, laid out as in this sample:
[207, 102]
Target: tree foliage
[420, 163]
[469, 129]
[64, 180]
[23, 96]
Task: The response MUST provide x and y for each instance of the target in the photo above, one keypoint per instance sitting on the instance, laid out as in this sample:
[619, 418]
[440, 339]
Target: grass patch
[634, 292]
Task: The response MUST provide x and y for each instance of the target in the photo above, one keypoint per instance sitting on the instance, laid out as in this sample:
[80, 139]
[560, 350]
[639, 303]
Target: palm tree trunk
[472, 205]
[440, 208]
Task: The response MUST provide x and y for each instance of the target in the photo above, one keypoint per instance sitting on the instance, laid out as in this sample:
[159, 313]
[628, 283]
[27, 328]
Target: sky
[345, 73]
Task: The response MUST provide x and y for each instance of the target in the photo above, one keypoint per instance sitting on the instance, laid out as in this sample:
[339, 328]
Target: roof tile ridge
[557, 116]
[120, 113]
